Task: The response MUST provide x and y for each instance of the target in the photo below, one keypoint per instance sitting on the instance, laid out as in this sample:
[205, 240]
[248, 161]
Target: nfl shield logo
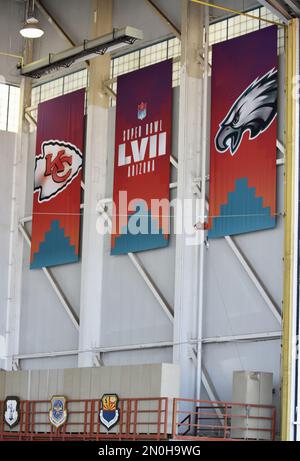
[58, 411]
[12, 411]
[109, 413]
[142, 111]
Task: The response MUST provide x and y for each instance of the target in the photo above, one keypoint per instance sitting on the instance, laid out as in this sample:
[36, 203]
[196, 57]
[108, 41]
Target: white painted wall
[67, 13]
[130, 313]
[7, 143]
[45, 326]
[233, 306]
[11, 17]
[144, 17]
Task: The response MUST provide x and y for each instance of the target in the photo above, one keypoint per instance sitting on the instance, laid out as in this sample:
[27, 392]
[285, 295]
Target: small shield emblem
[58, 412]
[142, 111]
[12, 411]
[109, 413]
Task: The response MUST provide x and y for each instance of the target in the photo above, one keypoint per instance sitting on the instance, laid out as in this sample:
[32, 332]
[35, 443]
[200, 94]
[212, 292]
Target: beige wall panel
[85, 382]
[141, 381]
[16, 384]
[2, 385]
[127, 381]
[100, 381]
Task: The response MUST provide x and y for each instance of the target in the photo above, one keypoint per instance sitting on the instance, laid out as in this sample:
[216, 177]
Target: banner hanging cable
[241, 13]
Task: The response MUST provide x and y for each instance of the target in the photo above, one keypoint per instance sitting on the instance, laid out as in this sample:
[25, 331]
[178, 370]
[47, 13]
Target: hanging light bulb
[31, 27]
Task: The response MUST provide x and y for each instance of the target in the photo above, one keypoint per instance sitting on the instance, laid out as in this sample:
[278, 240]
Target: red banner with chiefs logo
[243, 134]
[57, 181]
[142, 160]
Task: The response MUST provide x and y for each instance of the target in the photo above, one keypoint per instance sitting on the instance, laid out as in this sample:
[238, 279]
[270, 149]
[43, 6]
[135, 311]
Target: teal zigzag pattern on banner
[244, 212]
[150, 238]
[55, 249]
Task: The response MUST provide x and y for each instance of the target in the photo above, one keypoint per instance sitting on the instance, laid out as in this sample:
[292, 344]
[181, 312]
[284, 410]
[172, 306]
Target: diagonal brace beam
[269, 302]
[168, 21]
[54, 22]
[208, 386]
[145, 276]
[66, 305]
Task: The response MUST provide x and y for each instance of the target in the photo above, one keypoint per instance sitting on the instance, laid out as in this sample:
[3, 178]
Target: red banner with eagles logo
[243, 134]
[57, 181]
[142, 160]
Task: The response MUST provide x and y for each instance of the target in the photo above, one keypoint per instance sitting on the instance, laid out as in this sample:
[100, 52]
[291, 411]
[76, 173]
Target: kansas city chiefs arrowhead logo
[57, 166]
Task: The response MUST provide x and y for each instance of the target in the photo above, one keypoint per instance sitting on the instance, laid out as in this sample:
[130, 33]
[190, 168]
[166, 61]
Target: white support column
[189, 161]
[95, 184]
[15, 263]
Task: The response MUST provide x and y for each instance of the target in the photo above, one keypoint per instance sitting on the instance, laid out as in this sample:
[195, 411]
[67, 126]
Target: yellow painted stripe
[289, 181]
[2, 53]
[241, 13]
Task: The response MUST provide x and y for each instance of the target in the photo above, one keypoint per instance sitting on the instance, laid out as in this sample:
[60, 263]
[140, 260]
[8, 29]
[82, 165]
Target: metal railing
[222, 420]
[144, 418]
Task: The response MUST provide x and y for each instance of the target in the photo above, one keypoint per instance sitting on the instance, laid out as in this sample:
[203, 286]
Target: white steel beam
[110, 91]
[254, 337]
[145, 276]
[207, 383]
[251, 337]
[294, 5]
[280, 146]
[277, 9]
[31, 120]
[45, 355]
[211, 392]
[261, 289]
[174, 162]
[174, 29]
[51, 19]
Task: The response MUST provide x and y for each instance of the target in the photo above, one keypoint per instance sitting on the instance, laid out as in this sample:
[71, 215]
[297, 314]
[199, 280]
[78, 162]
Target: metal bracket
[15, 365]
[97, 360]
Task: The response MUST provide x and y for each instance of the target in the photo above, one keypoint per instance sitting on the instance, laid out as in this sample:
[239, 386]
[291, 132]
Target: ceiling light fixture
[31, 28]
[90, 49]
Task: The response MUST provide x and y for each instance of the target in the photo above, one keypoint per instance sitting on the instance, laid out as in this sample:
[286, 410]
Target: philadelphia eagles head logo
[253, 111]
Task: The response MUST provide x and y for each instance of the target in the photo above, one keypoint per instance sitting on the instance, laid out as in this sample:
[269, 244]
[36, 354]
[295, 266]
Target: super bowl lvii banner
[142, 160]
[243, 134]
[57, 181]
